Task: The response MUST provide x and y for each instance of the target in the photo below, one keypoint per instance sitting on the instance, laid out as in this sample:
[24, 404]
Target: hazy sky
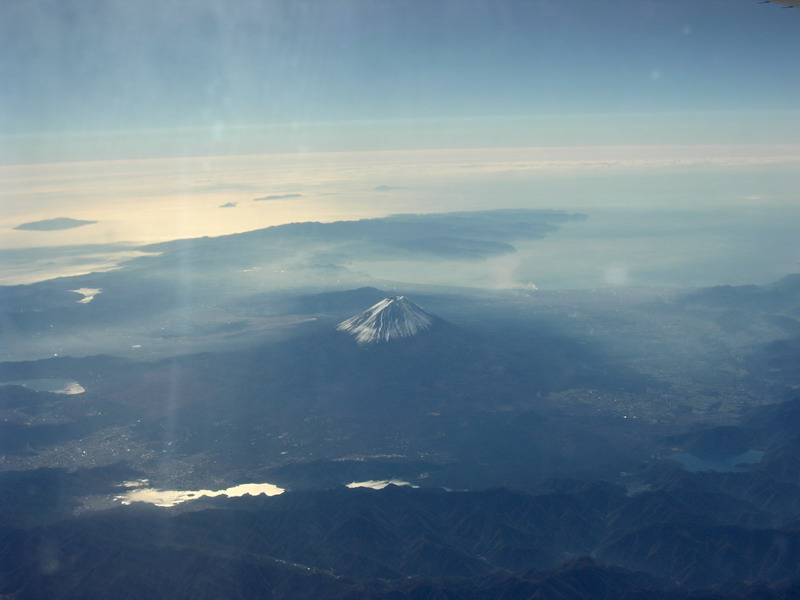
[672, 123]
[244, 76]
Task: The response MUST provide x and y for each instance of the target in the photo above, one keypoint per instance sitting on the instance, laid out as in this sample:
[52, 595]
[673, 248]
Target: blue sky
[684, 71]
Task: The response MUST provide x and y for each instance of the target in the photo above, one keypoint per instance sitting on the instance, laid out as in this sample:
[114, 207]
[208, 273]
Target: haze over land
[664, 216]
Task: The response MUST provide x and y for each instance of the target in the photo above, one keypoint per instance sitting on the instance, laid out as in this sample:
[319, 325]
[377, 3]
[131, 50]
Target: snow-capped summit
[389, 319]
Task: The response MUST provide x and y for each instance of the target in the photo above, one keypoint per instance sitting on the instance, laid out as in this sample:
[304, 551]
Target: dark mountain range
[342, 304]
[776, 363]
[781, 297]
[471, 400]
[396, 543]
[692, 535]
[765, 322]
[436, 394]
[702, 555]
[30, 498]
[775, 426]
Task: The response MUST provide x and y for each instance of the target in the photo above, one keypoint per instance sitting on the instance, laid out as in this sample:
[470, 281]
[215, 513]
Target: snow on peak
[389, 319]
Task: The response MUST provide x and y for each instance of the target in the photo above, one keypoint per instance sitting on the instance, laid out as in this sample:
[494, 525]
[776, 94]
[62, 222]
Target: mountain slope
[389, 319]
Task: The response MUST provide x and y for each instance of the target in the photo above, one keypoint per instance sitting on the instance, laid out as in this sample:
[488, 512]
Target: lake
[168, 498]
[733, 464]
[54, 386]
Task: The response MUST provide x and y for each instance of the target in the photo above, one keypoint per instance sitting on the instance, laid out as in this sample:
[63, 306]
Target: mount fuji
[389, 319]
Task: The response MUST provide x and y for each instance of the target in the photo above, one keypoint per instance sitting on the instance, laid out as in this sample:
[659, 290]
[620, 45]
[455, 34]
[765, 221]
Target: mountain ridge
[390, 319]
